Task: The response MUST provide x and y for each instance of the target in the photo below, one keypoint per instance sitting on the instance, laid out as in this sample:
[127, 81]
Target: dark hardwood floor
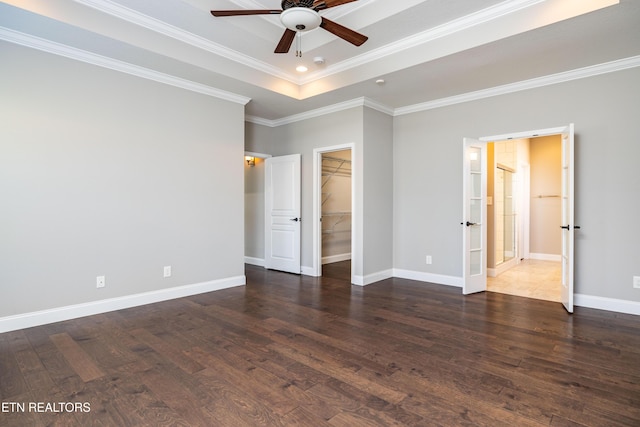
[302, 351]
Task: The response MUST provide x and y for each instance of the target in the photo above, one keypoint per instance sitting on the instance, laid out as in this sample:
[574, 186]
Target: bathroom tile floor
[531, 278]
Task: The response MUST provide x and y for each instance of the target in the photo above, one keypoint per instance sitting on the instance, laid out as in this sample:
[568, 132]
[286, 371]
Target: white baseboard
[309, 271]
[609, 304]
[439, 279]
[336, 258]
[501, 268]
[545, 257]
[36, 318]
[371, 278]
[254, 261]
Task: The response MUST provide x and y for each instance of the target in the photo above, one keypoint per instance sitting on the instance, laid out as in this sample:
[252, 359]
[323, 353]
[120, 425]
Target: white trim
[580, 300]
[160, 27]
[336, 258]
[319, 112]
[608, 304]
[502, 267]
[259, 121]
[421, 276]
[545, 257]
[416, 41]
[113, 64]
[309, 271]
[254, 261]
[341, 106]
[27, 320]
[258, 155]
[371, 278]
[580, 73]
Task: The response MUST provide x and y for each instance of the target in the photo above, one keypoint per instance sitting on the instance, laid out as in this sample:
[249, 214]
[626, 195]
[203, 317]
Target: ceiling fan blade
[286, 41]
[326, 4]
[343, 32]
[220, 13]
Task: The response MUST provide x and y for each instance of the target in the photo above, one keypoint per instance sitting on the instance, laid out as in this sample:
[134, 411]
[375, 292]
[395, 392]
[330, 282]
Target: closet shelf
[335, 231]
[334, 167]
[335, 213]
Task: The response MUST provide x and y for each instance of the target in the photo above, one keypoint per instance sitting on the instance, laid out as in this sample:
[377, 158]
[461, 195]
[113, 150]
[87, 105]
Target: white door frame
[317, 206]
[516, 135]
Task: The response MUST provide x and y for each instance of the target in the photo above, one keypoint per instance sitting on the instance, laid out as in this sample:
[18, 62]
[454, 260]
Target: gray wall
[428, 176]
[303, 137]
[378, 192]
[254, 210]
[371, 132]
[102, 173]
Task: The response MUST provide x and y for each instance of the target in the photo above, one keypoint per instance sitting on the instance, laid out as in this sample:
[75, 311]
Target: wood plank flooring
[301, 351]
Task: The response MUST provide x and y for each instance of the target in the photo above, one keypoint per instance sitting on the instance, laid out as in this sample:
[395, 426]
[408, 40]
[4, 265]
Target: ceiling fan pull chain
[299, 44]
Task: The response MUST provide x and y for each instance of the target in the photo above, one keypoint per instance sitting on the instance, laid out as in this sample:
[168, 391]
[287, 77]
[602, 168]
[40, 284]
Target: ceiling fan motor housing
[300, 19]
[287, 4]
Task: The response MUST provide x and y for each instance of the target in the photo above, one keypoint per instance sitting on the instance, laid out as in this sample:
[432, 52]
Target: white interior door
[474, 216]
[568, 225]
[282, 213]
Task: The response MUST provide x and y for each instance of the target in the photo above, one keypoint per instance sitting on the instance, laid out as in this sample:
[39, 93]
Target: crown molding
[59, 49]
[105, 62]
[259, 121]
[357, 102]
[580, 73]
[160, 27]
[419, 39]
[129, 15]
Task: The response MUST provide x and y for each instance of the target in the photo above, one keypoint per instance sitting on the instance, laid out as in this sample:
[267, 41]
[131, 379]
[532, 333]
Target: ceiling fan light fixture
[300, 19]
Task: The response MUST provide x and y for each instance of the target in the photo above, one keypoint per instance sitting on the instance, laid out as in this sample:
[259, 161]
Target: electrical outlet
[636, 282]
[167, 271]
[429, 259]
[100, 282]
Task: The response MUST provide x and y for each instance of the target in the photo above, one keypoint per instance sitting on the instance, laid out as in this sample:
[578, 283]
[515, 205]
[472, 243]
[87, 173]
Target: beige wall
[546, 186]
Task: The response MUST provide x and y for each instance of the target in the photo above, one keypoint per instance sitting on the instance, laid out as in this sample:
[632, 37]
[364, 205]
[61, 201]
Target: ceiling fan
[299, 16]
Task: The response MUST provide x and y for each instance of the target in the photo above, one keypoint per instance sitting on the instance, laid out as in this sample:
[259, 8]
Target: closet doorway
[334, 241]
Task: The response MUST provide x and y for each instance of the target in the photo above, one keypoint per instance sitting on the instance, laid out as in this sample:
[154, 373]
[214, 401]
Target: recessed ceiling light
[301, 69]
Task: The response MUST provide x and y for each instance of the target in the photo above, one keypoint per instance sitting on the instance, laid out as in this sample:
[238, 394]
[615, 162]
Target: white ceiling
[425, 50]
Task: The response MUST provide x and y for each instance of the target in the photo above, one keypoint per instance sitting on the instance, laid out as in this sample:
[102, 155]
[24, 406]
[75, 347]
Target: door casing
[532, 134]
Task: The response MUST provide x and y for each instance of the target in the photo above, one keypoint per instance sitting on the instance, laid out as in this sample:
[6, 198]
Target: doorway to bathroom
[477, 216]
[524, 183]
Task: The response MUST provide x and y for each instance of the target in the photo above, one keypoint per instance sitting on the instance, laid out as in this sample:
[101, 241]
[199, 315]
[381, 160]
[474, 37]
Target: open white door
[474, 216]
[282, 213]
[568, 225]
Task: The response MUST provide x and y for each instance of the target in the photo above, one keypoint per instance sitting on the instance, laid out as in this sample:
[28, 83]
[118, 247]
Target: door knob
[471, 223]
[565, 227]
[296, 219]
